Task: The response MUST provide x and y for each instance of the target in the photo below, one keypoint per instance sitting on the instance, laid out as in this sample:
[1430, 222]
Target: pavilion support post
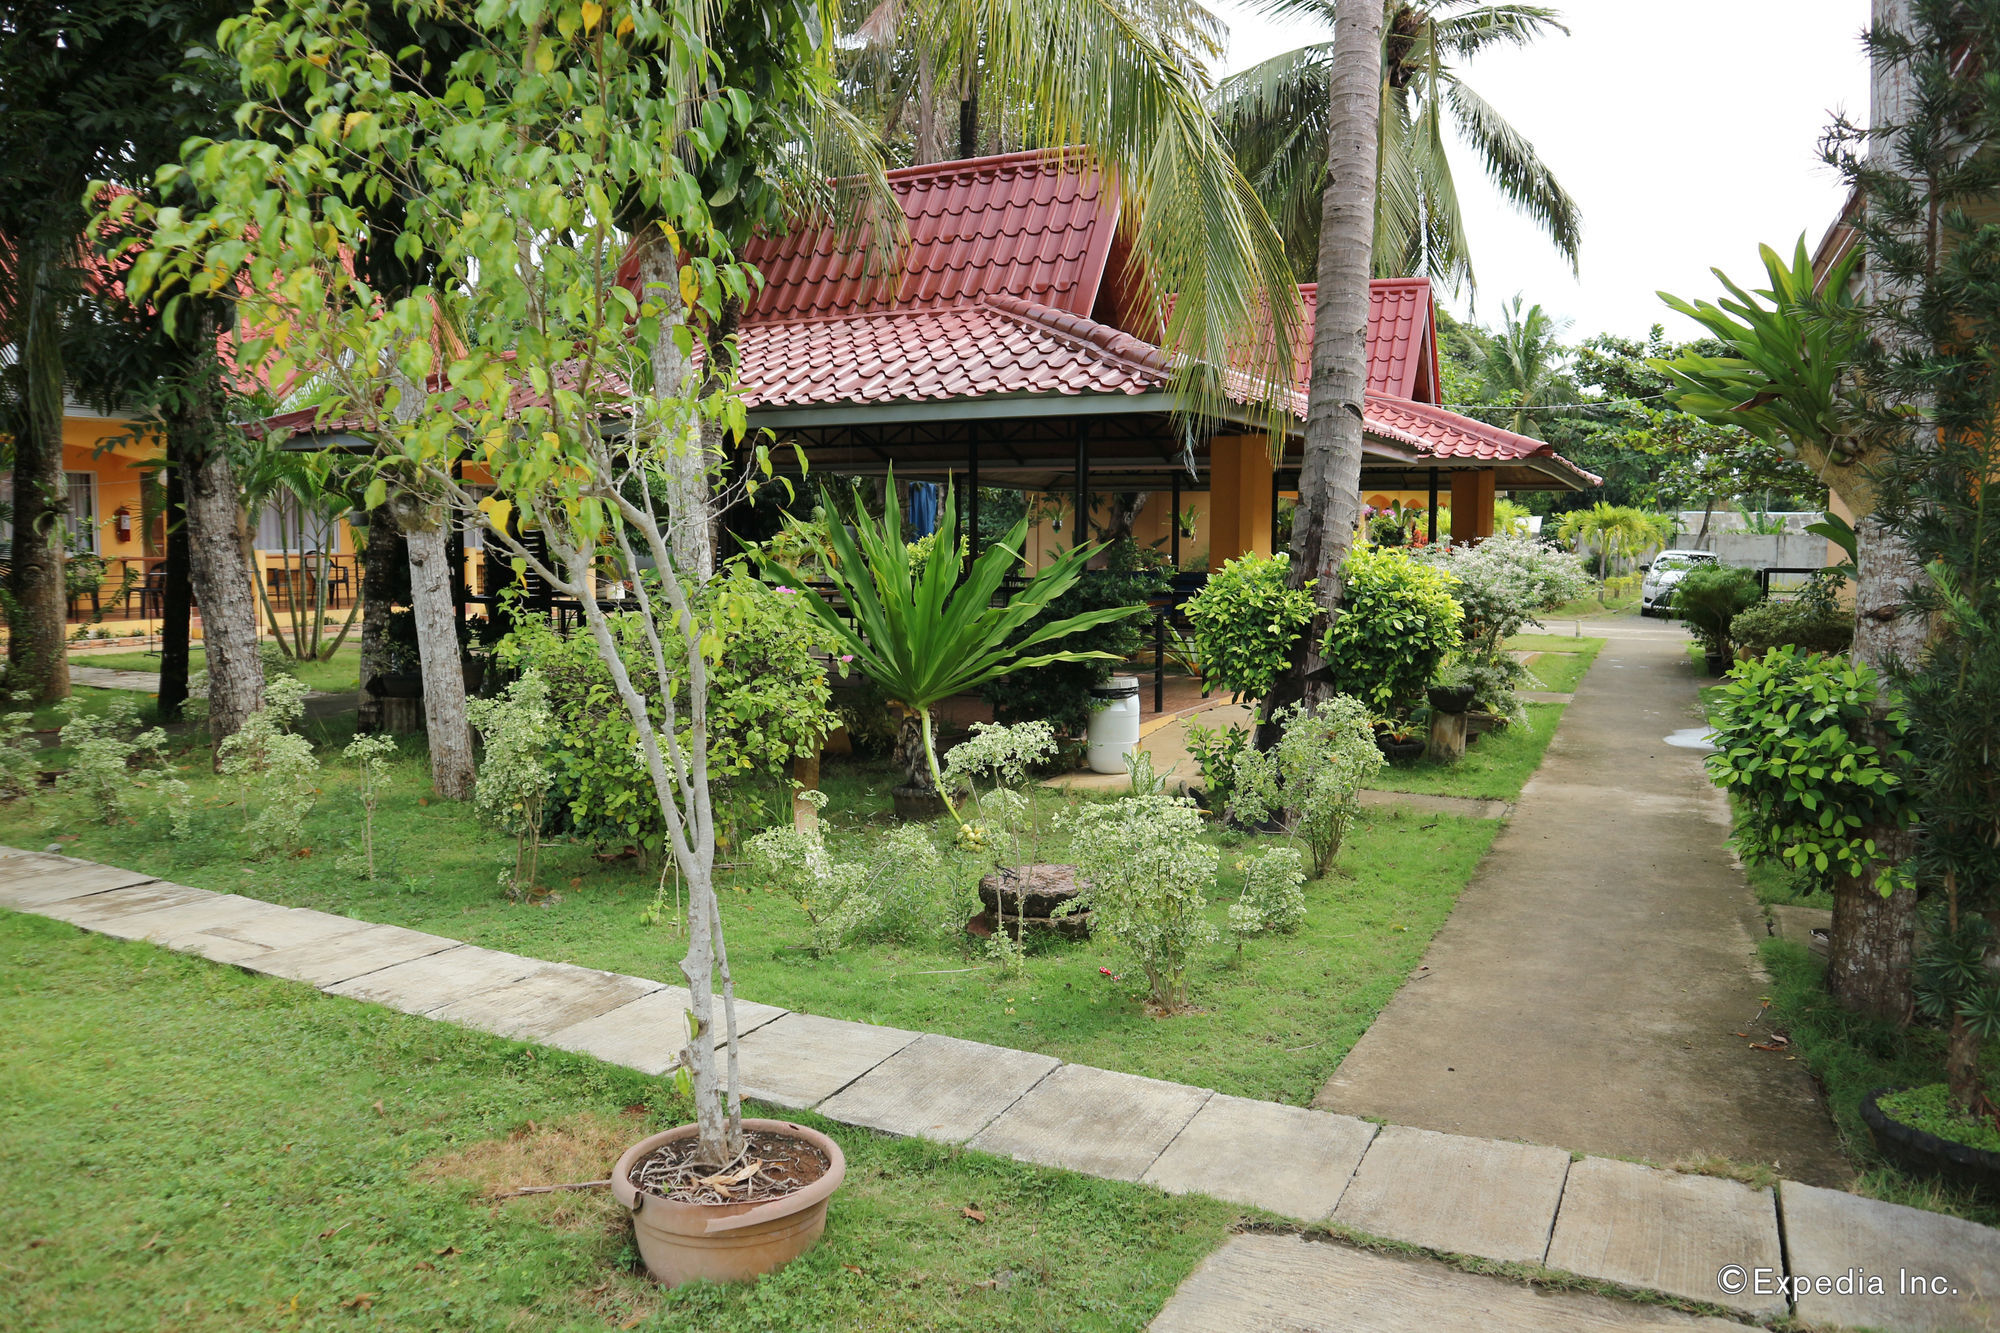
[1174, 522]
[1471, 505]
[1081, 501]
[972, 486]
[1432, 512]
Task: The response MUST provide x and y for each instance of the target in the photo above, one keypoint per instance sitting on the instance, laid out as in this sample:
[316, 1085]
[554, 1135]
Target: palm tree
[1275, 115]
[1330, 475]
[1614, 532]
[1123, 81]
[1521, 366]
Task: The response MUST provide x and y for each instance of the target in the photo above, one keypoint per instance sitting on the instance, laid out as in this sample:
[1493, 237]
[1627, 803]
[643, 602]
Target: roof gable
[1027, 225]
[1402, 338]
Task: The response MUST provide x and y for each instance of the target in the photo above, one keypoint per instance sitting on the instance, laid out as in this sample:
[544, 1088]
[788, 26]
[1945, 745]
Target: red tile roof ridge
[1084, 333]
[992, 162]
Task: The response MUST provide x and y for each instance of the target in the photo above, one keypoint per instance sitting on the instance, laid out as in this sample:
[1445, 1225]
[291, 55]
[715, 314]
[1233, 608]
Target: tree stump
[1015, 902]
[1447, 737]
[401, 717]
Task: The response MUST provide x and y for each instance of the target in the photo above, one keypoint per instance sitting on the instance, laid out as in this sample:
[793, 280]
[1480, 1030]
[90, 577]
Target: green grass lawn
[339, 674]
[1495, 767]
[1272, 1023]
[1560, 668]
[187, 1146]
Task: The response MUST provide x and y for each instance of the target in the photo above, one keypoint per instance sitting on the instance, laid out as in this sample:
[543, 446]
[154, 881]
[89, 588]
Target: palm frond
[1467, 34]
[1513, 165]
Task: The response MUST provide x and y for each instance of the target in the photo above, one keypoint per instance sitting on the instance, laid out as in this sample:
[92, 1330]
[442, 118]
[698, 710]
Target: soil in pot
[751, 1217]
[1920, 1152]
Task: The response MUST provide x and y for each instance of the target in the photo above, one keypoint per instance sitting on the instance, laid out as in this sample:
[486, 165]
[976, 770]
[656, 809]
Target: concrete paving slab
[329, 962]
[1483, 1197]
[939, 1088]
[802, 1059]
[173, 926]
[32, 882]
[647, 1034]
[1264, 1154]
[100, 910]
[1286, 1284]
[434, 981]
[1834, 1236]
[1094, 1121]
[1665, 1231]
[1530, 1021]
[254, 937]
[551, 997]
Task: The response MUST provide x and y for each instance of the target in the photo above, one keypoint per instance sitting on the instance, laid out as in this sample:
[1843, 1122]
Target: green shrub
[1059, 693]
[1501, 585]
[1312, 778]
[1709, 597]
[516, 733]
[1398, 620]
[1247, 622]
[1148, 871]
[1215, 751]
[768, 702]
[109, 753]
[1812, 622]
[1273, 897]
[275, 764]
[1788, 731]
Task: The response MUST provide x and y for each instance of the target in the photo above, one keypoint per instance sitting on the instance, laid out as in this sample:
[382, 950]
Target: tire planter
[917, 805]
[726, 1242]
[1396, 751]
[1450, 698]
[1922, 1153]
[1718, 663]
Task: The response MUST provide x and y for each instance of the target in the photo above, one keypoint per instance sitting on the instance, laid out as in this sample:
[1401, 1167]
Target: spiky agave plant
[926, 629]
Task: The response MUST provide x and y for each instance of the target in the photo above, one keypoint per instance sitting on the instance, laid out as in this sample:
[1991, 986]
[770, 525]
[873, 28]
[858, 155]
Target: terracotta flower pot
[726, 1242]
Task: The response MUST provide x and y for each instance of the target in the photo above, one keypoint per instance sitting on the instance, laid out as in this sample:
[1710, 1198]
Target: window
[280, 529]
[82, 511]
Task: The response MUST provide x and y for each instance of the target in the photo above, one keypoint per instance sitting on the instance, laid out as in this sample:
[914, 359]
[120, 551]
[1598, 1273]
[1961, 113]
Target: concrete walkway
[1609, 1221]
[1592, 987]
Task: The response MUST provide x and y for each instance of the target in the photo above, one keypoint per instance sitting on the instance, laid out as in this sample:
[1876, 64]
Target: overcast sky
[1686, 133]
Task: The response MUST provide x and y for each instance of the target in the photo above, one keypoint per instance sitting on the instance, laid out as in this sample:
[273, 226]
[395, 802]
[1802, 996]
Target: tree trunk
[177, 592]
[445, 726]
[690, 533]
[224, 578]
[1330, 478]
[37, 650]
[931, 144]
[378, 580]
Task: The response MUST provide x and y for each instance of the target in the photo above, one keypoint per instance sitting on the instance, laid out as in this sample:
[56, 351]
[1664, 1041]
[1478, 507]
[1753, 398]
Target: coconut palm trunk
[1330, 479]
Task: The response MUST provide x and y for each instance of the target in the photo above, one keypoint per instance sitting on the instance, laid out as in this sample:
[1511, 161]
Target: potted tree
[1708, 598]
[572, 389]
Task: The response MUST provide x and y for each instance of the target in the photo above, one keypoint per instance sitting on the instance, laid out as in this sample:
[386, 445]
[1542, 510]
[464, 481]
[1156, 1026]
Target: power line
[1548, 407]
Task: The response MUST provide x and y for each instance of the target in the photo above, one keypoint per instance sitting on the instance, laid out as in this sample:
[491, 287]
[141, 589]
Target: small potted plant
[1399, 738]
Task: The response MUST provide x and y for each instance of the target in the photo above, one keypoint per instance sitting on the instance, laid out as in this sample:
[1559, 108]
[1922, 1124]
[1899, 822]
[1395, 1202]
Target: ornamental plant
[1273, 897]
[1148, 873]
[516, 731]
[1312, 778]
[1501, 586]
[1006, 756]
[1814, 620]
[1398, 620]
[20, 753]
[1709, 597]
[1215, 751]
[1247, 622]
[895, 892]
[370, 754]
[925, 632]
[110, 754]
[276, 767]
[1789, 728]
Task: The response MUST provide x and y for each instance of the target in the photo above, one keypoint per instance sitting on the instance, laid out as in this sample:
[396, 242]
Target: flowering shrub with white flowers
[276, 766]
[109, 754]
[1312, 778]
[516, 732]
[1273, 897]
[1502, 584]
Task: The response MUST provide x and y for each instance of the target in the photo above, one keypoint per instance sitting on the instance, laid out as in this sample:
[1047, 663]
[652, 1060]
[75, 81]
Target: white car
[1656, 590]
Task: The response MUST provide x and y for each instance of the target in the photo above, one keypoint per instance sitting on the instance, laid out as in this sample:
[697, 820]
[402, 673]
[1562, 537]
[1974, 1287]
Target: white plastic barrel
[1114, 724]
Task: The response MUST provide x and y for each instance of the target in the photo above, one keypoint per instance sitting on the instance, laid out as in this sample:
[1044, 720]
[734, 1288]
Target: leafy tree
[1521, 366]
[1614, 532]
[1277, 116]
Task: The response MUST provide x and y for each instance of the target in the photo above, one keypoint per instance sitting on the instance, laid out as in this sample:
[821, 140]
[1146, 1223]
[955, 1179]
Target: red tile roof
[1020, 224]
[1402, 337]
